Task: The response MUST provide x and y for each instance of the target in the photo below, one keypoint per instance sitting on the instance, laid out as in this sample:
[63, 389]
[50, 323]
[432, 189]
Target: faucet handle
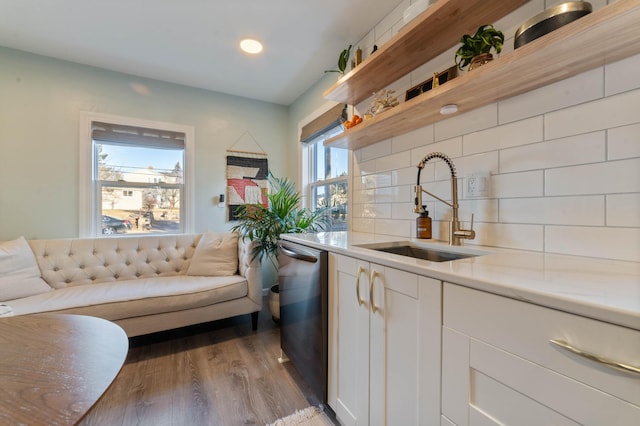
[467, 234]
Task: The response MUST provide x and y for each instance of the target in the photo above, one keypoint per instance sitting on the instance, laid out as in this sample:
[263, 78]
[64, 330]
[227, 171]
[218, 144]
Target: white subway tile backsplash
[376, 150]
[451, 147]
[364, 196]
[572, 91]
[525, 184]
[506, 136]
[404, 176]
[377, 180]
[623, 210]
[613, 111]
[587, 148]
[394, 194]
[414, 139]
[359, 224]
[468, 122]
[623, 142]
[399, 228]
[609, 243]
[585, 211]
[365, 168]
[484, 162]
[622, 76]
[521, 237]
[601, 178]
[483, 210]
[404, 211]
[393, 161]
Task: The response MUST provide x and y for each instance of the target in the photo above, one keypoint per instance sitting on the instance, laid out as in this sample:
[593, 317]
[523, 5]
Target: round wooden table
[53, 368]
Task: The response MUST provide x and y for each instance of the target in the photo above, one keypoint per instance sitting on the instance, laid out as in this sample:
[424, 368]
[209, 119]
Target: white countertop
[606, 290]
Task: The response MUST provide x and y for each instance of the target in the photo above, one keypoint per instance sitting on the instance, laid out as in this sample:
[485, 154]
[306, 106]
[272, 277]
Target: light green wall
[305, 105]
[40, 101]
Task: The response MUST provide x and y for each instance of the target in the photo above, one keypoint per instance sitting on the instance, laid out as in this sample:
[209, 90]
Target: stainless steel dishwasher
[302, 277]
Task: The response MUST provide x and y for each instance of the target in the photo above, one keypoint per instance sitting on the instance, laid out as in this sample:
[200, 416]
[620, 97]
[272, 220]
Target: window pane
[140, 189]
[328, 163]
[147, 210]
[334, 197]
[138, 164]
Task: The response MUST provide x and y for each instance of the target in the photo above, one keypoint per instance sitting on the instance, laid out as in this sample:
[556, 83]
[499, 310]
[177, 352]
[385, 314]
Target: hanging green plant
[485, 38]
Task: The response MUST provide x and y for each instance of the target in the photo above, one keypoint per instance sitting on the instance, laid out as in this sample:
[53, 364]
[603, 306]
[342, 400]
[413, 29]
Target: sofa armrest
[250, 268]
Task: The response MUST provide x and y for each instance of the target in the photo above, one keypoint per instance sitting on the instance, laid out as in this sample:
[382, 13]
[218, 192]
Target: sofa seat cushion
[135, 298]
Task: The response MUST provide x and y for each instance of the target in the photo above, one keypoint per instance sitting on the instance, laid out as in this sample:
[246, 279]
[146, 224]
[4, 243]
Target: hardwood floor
[221, 373]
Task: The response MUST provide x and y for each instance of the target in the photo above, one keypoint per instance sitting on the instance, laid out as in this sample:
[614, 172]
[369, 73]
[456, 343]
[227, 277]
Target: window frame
[306, 171]
[88, 200]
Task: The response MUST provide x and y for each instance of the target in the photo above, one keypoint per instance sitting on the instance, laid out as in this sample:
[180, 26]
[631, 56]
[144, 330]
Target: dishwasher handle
[297, 255]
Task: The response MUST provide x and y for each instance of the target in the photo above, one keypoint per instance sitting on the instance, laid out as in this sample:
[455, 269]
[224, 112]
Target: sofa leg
[254, 321]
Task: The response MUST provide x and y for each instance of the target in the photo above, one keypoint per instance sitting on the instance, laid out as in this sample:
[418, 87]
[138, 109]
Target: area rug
[311, 416]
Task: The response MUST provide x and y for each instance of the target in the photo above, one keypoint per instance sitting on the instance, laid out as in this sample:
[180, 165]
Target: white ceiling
[194, 42]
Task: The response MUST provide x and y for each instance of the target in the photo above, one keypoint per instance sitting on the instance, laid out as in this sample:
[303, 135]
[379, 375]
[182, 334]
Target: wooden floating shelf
[425, 37]
[602, 37]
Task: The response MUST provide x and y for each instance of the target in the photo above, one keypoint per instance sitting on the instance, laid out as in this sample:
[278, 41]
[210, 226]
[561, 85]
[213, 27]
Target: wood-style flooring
[220, 373]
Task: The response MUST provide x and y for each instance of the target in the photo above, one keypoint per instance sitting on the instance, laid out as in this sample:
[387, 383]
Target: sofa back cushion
[19, 272]
[71, 262]
[215, 255]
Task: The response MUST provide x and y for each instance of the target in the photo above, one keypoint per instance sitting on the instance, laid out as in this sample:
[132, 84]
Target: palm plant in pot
[282, 215]
[476, 49]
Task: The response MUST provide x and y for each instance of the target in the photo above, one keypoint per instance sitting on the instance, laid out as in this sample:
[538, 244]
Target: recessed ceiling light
[251, 46]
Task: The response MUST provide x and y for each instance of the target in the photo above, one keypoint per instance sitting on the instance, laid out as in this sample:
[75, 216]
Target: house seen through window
[139, 179]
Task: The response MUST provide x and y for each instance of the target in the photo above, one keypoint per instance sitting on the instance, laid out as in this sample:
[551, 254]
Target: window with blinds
[138, 176]
[326, 168]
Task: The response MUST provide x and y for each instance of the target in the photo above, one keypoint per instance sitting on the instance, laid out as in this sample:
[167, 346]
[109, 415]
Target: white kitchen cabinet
[499, 365]
[384, 344]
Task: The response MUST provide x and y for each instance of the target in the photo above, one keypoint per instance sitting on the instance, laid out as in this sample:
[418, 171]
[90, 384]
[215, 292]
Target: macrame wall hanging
[247, 173]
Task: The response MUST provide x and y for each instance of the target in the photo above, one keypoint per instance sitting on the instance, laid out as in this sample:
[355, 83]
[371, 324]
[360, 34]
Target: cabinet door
[348, 392]
[405, 324]
[499, 366]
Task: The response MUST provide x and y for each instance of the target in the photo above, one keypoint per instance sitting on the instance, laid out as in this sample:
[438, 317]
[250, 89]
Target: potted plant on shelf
[476, 49]
[343, 60]
[282, 215]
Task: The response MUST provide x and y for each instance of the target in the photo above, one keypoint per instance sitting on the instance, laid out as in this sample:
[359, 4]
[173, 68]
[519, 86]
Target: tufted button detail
[167, 259]
[148, 261]
[138, 274]
[67, 281]
[185, 258]
[81, 266]
[45, 255]
[92, 278]
[105, 264]
[116, 276]
[177, 269]
[127, 263]
[56, 269]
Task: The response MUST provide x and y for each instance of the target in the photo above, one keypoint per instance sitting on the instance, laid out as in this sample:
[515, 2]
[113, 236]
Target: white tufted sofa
[140, 283]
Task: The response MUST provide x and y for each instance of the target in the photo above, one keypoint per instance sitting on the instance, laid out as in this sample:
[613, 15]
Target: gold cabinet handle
[608, 362]
[374, 274]
[360, 271]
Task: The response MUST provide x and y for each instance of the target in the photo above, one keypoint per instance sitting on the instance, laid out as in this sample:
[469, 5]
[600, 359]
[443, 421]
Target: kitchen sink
[418, 252]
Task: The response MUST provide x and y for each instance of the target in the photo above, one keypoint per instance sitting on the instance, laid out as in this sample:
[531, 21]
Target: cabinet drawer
[526, 330]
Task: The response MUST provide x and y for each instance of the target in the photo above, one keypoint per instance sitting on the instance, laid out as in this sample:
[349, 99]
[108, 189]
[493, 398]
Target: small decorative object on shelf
[383, 100]
[437, 79]
[343, 60]
[476, 49]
